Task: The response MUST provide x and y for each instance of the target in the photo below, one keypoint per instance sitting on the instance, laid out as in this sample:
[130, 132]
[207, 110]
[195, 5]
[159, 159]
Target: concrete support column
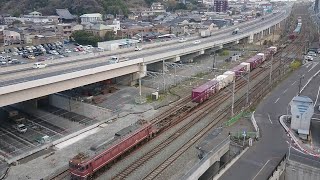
[251, 38]
[269, 30]
[156, 67]
[175, 59]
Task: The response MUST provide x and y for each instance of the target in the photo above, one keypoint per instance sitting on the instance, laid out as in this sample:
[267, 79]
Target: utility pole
[233, 89]
[163, 73]
[248, 89]
[270, 75]
[214, 61]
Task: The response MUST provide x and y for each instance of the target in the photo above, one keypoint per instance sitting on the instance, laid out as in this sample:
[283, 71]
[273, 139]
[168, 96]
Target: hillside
[78, 7]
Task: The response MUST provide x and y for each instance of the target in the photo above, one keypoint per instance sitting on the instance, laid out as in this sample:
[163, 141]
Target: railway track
[201, 111]
[170, 114]
[164, 165]
[153, 174]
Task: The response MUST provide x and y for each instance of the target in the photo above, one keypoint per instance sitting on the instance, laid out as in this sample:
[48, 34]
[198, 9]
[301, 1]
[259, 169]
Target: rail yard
[165, 145]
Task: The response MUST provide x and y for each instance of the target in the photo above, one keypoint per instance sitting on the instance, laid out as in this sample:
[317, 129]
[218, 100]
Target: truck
[205, 33]
[116, 59]
[236, 31]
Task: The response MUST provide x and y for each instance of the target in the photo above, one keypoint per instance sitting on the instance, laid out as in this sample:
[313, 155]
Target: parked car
[311, 53]
[21, 128]
[3, 62]
[31, 57]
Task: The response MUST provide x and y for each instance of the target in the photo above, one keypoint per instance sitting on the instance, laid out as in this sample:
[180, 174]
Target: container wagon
[203, 92]
[239, 70]
[255, 62]
[84, 165]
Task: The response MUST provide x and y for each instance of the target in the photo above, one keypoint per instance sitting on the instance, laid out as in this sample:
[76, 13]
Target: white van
[38, 65]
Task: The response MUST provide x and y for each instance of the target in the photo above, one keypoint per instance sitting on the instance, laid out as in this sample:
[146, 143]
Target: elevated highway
[23, 83]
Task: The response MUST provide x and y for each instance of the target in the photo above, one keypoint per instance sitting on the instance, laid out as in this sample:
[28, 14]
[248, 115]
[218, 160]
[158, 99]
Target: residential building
[220, 5]
[36, 39]
[65, 16]
[77, 27]
[35, 14]
[91, 18]
[65, 30]
[99, 30]
[157, 7]
[11, 37]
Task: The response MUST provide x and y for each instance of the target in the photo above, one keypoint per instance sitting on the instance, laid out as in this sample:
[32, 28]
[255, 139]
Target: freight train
[85, 165]
[297, 30]
[204, 91]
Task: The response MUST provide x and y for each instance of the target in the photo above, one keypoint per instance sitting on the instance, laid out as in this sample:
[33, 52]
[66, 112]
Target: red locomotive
[83, 166]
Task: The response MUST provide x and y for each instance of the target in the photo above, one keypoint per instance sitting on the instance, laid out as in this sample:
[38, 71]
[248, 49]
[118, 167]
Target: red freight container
[255, 61]
[239, 70]
[203, 92]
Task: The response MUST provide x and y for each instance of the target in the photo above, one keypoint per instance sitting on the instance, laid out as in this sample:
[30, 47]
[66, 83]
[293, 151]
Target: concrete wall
[298, 171]
[205, 164]
[85, 109]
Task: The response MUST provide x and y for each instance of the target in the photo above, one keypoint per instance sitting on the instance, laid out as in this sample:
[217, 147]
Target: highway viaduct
[34, 83]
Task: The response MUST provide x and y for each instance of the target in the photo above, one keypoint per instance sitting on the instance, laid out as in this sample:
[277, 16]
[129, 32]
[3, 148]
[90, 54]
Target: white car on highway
[181, 40]
[196, 42]
[39, 65]
[138, 48]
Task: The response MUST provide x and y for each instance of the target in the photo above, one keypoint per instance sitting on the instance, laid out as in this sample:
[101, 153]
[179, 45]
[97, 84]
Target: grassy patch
[295, 64]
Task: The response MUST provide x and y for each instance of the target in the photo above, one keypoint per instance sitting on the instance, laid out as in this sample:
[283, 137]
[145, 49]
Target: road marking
[277, 100]
[261, 169]
[269, 118]
[315, 103]
[293, 83]
[285, 91]
[314, 65]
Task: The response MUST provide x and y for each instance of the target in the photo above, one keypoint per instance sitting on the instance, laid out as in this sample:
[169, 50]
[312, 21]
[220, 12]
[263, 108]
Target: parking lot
[42, 126]
[49, 51]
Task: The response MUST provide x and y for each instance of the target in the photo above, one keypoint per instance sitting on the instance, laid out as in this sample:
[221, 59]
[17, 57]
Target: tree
[109, 36]
[85, 38]
[149, 2]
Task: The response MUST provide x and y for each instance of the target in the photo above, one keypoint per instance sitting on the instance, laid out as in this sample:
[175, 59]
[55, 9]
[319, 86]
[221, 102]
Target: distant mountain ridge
[77, 7]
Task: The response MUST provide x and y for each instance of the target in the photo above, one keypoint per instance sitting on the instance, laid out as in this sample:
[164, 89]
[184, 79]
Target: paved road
[34, 75]
[259, 161]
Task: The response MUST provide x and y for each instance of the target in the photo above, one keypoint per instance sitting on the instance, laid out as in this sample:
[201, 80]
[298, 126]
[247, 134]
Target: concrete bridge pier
[157, 67]
[132, 79]
[175, 59]
[250, 39]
